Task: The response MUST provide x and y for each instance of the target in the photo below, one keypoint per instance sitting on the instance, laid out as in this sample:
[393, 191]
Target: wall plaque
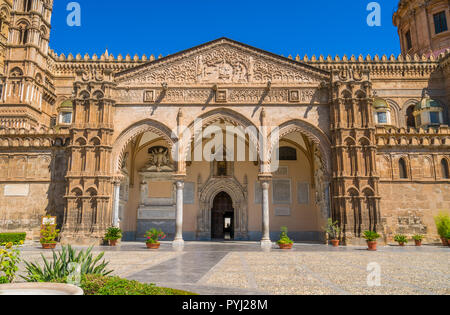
[282, 211]
[258, 193]
[17, 190]
[189, 193]
[281, 191]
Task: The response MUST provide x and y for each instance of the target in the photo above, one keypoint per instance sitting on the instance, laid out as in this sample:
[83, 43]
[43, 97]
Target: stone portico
[126, 141]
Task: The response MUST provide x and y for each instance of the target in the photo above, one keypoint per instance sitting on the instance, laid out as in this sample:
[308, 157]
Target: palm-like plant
[63, 264]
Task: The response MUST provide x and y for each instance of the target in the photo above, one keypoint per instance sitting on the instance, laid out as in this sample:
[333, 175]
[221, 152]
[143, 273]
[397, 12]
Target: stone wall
[410, 208]
[32, 185]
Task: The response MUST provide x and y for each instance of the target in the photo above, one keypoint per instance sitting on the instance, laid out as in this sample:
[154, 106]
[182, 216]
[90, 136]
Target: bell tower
[423, 26]
[27, 87]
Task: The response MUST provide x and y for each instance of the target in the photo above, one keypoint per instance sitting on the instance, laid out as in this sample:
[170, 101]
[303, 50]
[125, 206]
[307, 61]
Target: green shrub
[9, 261]
[418, 237]
[371, 236]
[62, 265]
[284, 238]
[49, 233]
[4, 280]
[401, 239]
[100, 285]
[448, 235]
[113, 234]
[15, 238]
[442, 224]
[154, 235]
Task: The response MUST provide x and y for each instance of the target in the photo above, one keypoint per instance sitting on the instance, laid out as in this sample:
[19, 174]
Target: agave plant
[63, 264]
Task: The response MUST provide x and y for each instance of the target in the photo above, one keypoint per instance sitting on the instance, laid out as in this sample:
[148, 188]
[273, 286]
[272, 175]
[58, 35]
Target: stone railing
[433, 136]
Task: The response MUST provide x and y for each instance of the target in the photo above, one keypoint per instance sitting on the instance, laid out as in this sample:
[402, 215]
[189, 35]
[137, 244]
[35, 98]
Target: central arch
[238, 195]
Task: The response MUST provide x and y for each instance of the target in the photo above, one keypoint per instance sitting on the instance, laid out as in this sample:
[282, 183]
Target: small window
[402, 169]
[53, 122]
[382, 117]
[27, 5]
[287, 154]
[444, 169]
[222, 168]
[66, 118]
[440, 22]
[408, 40]
[410, 121]
[434, 118]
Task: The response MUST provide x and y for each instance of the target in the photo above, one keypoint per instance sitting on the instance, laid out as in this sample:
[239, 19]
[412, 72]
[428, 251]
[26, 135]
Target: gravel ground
[327, 272]
[307, 269]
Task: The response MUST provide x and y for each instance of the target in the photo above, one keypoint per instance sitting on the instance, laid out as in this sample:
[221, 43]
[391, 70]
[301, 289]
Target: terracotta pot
[335, 243]
[401, 244]
[448, 242]
[112, 242]
[444, 241]
[418, 243]
[286, 246]
[153, 246]
[372, 246]
[49, 246]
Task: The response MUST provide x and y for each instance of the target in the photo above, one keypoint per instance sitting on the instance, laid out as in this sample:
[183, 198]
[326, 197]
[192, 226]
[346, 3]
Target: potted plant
[418, 239]
[448, 238]
[443, 227]
[49, 233]
[285, 242]
[371, 237]
[153, 236]
[112, 235]
[333, 232]
[402, 240]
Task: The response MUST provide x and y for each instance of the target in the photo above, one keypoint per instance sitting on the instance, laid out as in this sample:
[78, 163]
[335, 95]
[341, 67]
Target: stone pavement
[244, 268]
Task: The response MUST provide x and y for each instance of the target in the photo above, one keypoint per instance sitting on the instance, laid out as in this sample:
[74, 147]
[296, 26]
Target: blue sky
[168, 26]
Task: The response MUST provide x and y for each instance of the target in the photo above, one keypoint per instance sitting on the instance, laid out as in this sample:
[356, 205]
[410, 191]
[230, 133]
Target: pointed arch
[147, 125]
[314, 134]
[226, 115]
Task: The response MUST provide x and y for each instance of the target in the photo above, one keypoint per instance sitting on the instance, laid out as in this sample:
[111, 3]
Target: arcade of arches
[114, 141]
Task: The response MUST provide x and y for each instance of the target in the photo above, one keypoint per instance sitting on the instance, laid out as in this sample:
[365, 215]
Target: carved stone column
[265, 240]
[116, 220]
[178, 241]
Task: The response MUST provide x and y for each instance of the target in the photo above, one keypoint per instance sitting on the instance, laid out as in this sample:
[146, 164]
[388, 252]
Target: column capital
[265, 177]
[179, 184]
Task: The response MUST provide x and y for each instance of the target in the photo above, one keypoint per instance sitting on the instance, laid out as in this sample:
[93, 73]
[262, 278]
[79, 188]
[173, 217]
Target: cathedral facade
[224, 140]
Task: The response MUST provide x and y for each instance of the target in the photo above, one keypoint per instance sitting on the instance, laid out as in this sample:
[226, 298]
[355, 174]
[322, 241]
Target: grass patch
[100, 285]
[14, 238]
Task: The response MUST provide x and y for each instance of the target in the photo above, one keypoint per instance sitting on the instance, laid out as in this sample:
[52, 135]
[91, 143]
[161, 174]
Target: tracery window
[402, 169]
[444, 169]
[408, 40]
[440, 22]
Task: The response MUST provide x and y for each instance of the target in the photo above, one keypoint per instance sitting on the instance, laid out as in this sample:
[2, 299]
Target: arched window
[23, 33]
[444, 169]
[287, 154]
[410, 121]
[402, 169]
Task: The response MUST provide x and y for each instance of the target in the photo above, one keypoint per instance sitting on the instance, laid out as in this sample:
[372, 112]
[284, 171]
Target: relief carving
[224, 63]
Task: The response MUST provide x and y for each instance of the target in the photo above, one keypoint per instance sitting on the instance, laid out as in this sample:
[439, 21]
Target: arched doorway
[222, 217]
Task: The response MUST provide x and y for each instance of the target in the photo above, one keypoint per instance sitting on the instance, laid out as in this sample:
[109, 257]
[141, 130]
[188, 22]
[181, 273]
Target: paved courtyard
[244, 268]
